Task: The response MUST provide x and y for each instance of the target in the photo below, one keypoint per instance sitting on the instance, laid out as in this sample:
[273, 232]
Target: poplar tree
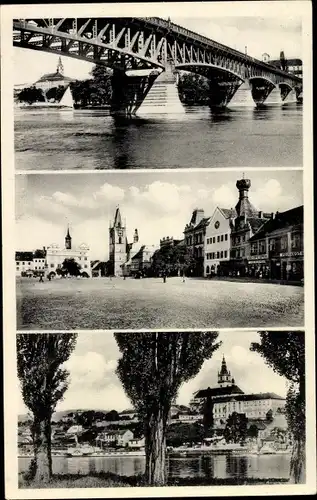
[43, 383]
[152, 368]
[285, 353]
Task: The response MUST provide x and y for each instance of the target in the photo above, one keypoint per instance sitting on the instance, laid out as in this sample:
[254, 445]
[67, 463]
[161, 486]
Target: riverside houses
[278, 247]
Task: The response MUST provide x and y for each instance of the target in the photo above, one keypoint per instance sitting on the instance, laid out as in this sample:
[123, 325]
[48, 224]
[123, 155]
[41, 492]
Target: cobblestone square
[103, 303]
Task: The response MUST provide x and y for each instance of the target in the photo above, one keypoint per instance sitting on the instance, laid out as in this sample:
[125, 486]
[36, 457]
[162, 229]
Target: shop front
[292, 266]
[259, 267]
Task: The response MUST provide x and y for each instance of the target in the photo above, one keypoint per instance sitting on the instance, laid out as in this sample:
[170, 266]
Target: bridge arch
[264, 78]
[203, 68]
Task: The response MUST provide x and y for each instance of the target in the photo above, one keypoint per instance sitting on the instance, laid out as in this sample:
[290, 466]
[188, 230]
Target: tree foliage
[285, 353]
[152, 368]
[31, 95]
[236, 428]
[193, 89]
[71, 267]
[43, 382]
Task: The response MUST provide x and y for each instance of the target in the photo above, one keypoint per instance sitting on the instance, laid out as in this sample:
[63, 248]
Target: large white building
[227, 398]
[28, 262]
[217, 239]
[55, 256]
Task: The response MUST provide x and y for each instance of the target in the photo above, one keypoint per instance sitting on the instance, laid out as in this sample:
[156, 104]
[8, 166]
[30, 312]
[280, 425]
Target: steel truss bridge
[139, 49]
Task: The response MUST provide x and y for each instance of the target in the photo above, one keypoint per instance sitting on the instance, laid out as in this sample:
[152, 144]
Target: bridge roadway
[146, 54]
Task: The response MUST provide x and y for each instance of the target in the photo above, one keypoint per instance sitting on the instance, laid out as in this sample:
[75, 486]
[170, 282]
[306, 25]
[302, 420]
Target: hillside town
[218, 418]
[241, 242]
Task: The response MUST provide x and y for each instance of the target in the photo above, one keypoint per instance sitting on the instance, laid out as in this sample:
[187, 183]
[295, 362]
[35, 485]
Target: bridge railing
[212, 43]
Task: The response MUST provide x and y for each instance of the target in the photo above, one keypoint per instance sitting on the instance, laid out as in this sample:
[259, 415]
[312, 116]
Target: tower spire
[68, 239]
[224, 375]
[244, 207]
[60, 67]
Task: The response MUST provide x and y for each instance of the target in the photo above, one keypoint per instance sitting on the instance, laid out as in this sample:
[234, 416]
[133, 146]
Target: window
[218, 239]
[284, 244]
[213, 255]
[272, 245]
[254, 248]
[226, 254]
[221, 255]
[85, 266]
[295, 241]
[243, 238]
[262, 246]
[120, 240]
[214, 239]
[222, 237]
[226, 237]
[52, 265]
[23, 263]
[237, 240]
[85, 258]
[35, 267]
[217, 255]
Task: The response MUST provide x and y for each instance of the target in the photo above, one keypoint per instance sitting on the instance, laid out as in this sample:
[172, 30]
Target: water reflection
[208, 467]
[240, 135]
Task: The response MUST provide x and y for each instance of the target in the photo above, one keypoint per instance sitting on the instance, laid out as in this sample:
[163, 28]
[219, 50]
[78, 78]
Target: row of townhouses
[240, 241]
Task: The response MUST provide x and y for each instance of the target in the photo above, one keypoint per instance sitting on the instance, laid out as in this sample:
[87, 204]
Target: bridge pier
[260, 89]
[163, 97]
[221, 92]
[128, 92]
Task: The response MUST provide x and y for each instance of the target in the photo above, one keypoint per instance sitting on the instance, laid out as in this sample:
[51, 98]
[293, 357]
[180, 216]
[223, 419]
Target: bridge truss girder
[137, 43]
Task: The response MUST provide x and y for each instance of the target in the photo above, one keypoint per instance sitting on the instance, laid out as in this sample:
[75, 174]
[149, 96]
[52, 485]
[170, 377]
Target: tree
[152, 368]
[112, 416]
[43, 384]
[70, 266]
[31, 95]
[269, 416]
[236, 428]
[285, 353]
[253, 431]
[208, 418]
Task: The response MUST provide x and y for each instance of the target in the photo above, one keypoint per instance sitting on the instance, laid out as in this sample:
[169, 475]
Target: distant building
[194, 236]
[28, 262]
[50, 80]
[266, 57]
[56, 255]
[293, 65]
[227, 398]
[279, 246]
[217, 239]
[247, 222]
[119, 438]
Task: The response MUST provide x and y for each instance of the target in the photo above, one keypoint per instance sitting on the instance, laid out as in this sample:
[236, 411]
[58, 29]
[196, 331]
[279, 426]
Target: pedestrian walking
[41, 278]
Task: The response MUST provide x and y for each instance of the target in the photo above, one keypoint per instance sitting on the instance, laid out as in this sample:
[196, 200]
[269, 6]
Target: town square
[226, 266]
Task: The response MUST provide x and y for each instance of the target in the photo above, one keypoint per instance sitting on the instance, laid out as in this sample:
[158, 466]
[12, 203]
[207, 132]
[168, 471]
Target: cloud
[224, 197]
[162, 196]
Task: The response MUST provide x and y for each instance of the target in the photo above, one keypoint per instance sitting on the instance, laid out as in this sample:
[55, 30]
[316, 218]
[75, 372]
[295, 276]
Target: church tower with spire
[60, 67]
[68, 240]
[224, 375]
[117, 244]
[244, 208]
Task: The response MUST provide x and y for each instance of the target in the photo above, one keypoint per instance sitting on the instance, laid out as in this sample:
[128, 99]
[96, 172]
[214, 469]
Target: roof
[251, 397]
[228, 212]
[117, 218]
[218, 391]
[281, 220]
[119, 432]
[57, 76]
[24, 256]
[289, 62]
[256, 223]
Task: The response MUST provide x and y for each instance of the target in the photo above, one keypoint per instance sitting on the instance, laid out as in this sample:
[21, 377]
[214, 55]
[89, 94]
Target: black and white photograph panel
[110, 251]
[100, 410]
[151, 92]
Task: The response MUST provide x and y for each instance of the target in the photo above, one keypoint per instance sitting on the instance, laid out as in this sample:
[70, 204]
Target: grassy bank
[109, 480]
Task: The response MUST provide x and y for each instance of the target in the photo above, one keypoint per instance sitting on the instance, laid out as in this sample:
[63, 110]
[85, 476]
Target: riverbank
[110, 480]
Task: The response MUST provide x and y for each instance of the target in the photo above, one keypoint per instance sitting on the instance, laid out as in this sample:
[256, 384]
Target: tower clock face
[120, 232]
[217, 224]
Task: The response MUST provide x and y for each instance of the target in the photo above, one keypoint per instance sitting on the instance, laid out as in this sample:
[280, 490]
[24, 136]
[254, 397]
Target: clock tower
[117, 244]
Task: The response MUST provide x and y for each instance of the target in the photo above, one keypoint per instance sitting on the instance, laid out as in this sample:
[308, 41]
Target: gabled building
[56, 79]
[55, 256]
[217, 239]
[247, 222]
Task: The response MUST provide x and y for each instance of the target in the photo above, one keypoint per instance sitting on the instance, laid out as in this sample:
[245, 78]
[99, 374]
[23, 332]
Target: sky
[157, 204]
[259, 35]
[95, 385]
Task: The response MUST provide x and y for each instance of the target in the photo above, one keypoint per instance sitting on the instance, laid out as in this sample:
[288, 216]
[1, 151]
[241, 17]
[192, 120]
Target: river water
[212, 466]
[238, 136]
